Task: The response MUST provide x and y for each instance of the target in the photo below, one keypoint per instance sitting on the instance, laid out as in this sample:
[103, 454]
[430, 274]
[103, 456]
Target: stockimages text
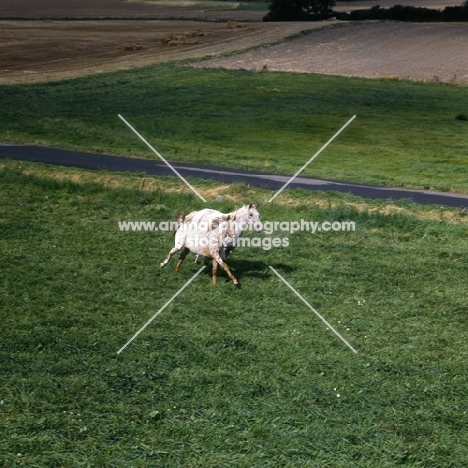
[227, 228]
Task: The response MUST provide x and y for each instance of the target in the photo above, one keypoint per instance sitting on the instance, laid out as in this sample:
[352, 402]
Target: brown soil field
[33, 51]
[52, 49]
[114, 9]
[419, 52]
[119, 9]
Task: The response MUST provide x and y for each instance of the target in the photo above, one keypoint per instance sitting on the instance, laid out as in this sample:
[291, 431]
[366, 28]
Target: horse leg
[214, 271]
[169, 255]
[182, 258]
[178, 245]
[225, 267]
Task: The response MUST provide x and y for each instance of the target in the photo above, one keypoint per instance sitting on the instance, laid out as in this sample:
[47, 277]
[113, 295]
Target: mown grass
[224, 376]
[405, 134]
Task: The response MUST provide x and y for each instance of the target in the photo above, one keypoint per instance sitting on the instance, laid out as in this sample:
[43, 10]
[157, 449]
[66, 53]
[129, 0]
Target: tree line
[319, 10]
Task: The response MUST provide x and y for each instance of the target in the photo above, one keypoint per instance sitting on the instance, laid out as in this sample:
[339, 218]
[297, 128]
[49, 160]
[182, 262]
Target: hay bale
[233, 24]
[172, 38]
[179, 39]
[176, 42]
[168, 38]
[198, 33]
[182, 41]
[130, 46]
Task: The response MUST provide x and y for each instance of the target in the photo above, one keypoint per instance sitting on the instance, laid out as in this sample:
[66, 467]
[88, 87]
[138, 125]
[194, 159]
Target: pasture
[224, 376]
[406, 134]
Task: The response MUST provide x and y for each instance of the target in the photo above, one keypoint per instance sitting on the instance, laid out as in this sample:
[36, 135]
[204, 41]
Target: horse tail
[180, 217]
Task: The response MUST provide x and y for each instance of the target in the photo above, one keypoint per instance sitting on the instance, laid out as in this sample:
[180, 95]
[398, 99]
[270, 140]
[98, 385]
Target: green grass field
[225, 376]
[405, 134]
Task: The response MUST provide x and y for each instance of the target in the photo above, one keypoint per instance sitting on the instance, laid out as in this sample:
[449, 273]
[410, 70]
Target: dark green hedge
[407, 13]
[292, 10]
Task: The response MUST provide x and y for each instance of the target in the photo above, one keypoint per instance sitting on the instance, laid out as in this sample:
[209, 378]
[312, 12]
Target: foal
[206, 242]
[238, 222]
[213, 234]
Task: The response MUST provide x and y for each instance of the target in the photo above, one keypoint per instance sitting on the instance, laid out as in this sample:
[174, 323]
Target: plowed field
[53, 49]
[420, 52]
[43, 51]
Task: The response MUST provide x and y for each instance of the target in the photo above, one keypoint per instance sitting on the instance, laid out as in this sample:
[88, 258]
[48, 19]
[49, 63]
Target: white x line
[160, 310]
[271, 199]
[157, 154]
[311, 159]
[313, 310]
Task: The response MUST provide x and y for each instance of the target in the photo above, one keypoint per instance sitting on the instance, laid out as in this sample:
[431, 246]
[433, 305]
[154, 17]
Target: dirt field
[43, 51]
[420, 52]
[86, 9]
[33, 51]
[116, 9]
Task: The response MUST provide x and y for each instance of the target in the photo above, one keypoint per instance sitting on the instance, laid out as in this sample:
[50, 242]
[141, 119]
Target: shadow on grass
[248, 269]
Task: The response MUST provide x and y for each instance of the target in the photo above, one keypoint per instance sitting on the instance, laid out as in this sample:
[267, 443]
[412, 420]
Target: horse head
[253, 217]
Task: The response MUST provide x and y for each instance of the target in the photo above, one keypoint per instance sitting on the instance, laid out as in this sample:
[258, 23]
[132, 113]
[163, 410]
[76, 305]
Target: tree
[320, 7]
[299, 10]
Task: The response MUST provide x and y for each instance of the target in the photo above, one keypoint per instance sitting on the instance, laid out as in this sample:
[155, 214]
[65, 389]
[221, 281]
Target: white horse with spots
[213, 234]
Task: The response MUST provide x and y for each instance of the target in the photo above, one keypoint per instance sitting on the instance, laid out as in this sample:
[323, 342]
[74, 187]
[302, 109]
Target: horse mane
[190, 216]
[180, 218]
[214, 222]
[233, 214]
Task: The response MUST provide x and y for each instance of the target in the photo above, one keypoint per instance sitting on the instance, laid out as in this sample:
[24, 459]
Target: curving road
[225, 175]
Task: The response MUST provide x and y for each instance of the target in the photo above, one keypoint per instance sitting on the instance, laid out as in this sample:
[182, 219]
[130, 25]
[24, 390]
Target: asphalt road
[224, 175]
